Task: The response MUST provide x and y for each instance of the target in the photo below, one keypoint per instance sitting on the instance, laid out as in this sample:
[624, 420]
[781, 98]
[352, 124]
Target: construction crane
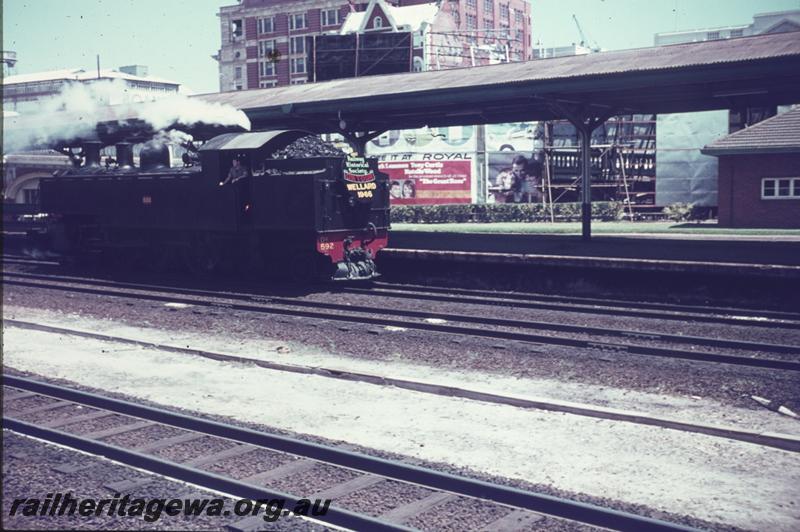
[584, 40]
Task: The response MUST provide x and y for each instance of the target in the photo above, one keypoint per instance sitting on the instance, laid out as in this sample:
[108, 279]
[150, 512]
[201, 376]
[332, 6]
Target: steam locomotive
[318, 217]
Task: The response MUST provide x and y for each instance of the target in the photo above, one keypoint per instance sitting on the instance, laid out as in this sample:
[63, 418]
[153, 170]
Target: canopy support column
[585, 121]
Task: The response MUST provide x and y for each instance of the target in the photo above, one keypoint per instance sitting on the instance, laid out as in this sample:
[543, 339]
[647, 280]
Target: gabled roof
[405, 18]
[778, 134]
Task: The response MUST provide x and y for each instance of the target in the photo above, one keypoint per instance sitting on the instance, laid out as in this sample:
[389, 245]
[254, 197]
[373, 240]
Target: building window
[780, 188]
[712, 35]
[472, 3]
[298, 65]
[299, 81]
[238, 87]
[737, 33]
[377, 22]
[265, 48]
[297, 45]
[519, 16]
[237, 29]
[488, 6]
[266, 68]
[504, 11]
[237, 72]
[419, 64]
[330, 17]
[266, 25]
[472, 22]
[298, 21]
[267, 84]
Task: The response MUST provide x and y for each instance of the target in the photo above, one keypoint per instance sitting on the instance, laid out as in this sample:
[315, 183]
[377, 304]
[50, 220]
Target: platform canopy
[720, 74]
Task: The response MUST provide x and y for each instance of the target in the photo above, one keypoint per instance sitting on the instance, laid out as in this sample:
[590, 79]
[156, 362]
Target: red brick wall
[281, 23]
[282, 66]
[378, 12]
[250, 28]
[313, 18]
[740, 203]
[252, 75]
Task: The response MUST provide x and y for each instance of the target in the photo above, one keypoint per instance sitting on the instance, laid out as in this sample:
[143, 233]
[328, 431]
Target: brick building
[759, 173]
[263, 42]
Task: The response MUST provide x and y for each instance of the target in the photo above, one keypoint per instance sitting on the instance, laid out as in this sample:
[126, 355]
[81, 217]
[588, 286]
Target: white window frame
[267, 83]
[265, 47]
[294, 62]
[299, 81]
[377, 23]
[266, 69]
[794, 188]
[261, 25]
[293, 21]
[293, 48]
[326, 15]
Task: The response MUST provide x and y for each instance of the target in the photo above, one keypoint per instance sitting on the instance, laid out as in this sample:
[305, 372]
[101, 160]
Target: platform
[756, 255]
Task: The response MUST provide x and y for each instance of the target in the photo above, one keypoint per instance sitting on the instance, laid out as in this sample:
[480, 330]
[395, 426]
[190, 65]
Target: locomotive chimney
[91, 153]
[124, 155]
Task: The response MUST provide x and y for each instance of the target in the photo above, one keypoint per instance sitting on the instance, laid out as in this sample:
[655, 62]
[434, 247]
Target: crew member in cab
[237, 172]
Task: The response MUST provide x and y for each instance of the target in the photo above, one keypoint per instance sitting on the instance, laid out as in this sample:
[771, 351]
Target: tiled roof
[777, 134]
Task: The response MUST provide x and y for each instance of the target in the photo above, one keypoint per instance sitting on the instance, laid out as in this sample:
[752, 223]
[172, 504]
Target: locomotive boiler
[231, 205]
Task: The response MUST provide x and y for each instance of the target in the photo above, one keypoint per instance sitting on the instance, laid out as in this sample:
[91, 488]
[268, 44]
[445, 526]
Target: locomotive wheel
[204, 256]
[307, 266]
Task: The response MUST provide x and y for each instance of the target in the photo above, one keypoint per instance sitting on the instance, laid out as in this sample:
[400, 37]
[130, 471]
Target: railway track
[772, 439]
[427, 321]
[585, 305]
[358, 473]
[661, 311]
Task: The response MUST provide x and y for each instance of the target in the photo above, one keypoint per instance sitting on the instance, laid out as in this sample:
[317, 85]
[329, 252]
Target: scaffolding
[623, 152]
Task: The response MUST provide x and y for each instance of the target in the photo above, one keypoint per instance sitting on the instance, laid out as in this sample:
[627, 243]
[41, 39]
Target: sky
[176, 38]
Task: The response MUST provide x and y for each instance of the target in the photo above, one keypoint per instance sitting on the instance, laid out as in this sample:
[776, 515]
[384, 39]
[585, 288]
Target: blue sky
[176, 38]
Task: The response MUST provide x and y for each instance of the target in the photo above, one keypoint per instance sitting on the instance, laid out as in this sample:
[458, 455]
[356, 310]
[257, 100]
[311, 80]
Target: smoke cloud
[80, 107]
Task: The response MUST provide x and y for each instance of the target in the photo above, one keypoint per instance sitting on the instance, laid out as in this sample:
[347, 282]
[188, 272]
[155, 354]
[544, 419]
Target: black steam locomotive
[231, 204]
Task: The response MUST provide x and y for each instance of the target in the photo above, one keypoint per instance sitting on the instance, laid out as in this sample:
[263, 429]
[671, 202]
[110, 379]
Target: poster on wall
[428, 180]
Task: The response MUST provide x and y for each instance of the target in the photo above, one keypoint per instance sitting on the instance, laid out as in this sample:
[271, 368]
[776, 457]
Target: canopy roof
[759, 70]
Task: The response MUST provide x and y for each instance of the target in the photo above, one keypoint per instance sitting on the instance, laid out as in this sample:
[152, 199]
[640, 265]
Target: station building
[759, 173]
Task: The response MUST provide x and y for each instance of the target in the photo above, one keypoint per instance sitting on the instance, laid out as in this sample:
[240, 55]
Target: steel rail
[786, 442]
[634, 349]
[732, 316]
[537, 502]
[335, 516]
[464, 318]
[599, 301]
[744, 320]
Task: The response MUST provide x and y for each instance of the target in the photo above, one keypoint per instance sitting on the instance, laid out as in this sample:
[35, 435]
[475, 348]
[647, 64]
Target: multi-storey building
[264, 42]
[22, 93]
[775, 22]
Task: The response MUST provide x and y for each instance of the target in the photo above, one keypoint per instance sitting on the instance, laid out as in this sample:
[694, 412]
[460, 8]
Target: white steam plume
[79, 107]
